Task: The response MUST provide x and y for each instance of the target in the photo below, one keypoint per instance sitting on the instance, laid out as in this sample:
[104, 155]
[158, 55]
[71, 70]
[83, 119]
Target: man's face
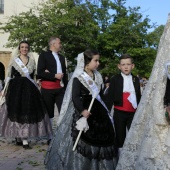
[126, 66]
[57, 45]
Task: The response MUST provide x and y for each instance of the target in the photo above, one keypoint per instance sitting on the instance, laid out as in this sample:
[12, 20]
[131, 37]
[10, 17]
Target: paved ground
[14, 157]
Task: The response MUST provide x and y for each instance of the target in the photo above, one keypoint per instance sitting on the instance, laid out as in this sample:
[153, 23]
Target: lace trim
[68, 94]
[98, 80]
[30, 65]
[146, 144]
[99, 153]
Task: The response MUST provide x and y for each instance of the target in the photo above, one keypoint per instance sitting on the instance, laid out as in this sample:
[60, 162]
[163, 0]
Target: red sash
[127, 106]
[50, 84]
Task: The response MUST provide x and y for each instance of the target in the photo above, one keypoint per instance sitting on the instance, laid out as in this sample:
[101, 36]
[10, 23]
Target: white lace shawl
[31, 66]
[68, 94]
[147, 143]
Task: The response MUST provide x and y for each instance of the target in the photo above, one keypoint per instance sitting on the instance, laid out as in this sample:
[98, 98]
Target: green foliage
[154, 36]
[107, 26]
[127, 33]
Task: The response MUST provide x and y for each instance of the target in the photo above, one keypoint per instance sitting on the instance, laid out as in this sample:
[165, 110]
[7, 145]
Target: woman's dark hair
[88, 55]
[25, 42]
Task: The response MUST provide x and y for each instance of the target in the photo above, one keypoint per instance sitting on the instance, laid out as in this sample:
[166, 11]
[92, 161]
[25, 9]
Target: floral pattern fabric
[147, 144]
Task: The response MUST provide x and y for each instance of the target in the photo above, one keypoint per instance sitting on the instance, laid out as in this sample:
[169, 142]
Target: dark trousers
[52, 96]
[122, 120]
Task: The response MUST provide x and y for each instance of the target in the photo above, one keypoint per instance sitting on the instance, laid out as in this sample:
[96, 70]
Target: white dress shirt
[129, 87]
[59, 68]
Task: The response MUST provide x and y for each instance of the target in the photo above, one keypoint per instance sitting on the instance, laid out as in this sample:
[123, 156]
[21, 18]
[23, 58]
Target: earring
[87, 66]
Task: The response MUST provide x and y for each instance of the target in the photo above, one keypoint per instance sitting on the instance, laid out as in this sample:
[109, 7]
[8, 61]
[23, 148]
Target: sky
[157, 10]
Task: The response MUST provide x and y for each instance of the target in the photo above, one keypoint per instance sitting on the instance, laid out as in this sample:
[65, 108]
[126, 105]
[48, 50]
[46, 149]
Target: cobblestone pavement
[14, 157]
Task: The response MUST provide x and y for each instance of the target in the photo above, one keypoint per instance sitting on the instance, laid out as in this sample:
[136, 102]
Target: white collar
[54, 53]
[59, 68]
[126, 76]
[129, 87]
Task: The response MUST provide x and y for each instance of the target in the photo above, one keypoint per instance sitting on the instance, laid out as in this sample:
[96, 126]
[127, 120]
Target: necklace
[24, 59]
[90, 73]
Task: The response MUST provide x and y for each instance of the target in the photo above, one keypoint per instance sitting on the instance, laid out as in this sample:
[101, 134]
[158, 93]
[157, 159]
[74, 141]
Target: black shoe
[48, 142]
[27, 146]
[18, 143]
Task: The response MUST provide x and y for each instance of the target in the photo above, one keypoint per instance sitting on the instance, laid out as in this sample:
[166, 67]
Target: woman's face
[94, 63]
[24, 48]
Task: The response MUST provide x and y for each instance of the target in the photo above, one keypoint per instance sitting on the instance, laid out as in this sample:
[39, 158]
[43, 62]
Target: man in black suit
[52, 72]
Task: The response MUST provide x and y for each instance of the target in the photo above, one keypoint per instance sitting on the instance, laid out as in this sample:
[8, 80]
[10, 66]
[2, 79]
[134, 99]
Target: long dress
[147, 146]
[96, 148]
[23, 114]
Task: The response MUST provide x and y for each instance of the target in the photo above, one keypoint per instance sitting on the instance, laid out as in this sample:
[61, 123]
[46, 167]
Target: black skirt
[24, 101]
[100, 135]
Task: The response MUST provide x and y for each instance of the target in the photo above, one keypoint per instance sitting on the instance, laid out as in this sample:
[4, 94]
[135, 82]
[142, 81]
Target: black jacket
[47, 61]
[167, 94]
[115, 92]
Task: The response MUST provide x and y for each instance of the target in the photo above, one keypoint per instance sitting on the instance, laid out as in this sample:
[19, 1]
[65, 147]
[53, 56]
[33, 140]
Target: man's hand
[59, 76]
[46, 71]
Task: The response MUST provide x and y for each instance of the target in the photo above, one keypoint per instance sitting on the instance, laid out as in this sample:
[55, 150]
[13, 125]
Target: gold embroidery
[90, 82]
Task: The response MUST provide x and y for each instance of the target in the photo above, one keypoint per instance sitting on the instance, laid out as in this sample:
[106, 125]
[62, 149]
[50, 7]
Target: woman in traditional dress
[96, 148]
[23, 114]
[147, 145]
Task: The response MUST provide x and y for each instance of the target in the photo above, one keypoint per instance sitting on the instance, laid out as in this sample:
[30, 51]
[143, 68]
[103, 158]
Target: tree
[74, 24]
[154, 36]
[107, 26]
[127, 33]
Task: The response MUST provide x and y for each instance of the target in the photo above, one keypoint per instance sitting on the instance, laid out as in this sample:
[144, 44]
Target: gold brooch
[90, 82]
